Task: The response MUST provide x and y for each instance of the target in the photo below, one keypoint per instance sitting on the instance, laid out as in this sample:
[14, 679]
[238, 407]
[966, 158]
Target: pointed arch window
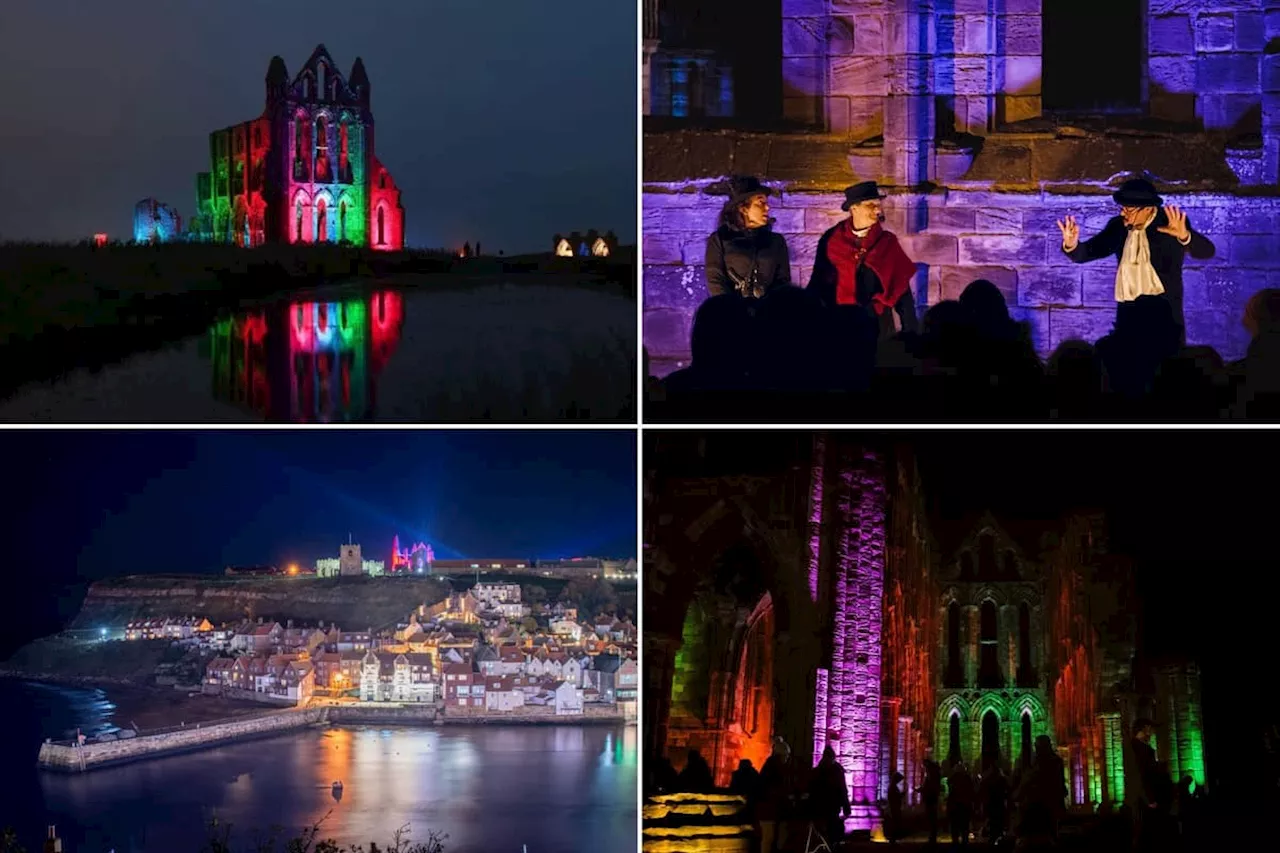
[381, 223]
[322, 221]
[322, 150]
[344, 148]
[342, 221]
[297, 236]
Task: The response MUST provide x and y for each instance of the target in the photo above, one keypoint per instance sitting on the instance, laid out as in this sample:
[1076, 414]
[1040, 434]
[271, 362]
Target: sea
[488, 789]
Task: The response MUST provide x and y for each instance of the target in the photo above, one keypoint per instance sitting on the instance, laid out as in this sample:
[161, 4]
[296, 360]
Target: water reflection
[307, 362]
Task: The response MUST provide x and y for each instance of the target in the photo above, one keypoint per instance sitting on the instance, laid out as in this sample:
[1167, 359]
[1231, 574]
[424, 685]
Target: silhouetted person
[777, 783]
[1144, 784]
[466, 250]
[994, 796]
[960, 800]
[1049, 783]
[665, 778]
[744, 254]
[829, 797]
[696, 777]
[1150, 244]
[477, 248]
[893, 829]
[1144, 337]
[1075, 378]
[1258, 394]
[786, 321]
[721, 347]
[745, 782]
[930, 792]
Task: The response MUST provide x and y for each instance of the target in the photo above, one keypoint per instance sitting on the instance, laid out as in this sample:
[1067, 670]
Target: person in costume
[1149, 240]
[861, 267]
[744, 255]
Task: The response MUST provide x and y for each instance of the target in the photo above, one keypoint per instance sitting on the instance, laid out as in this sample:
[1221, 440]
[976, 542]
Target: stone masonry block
[1020, 107]
[1219, 329]
[1227, 73]
[909, 117]
[954, 279]
[910, 75]
[978, 199]
[908, 33]
[818, 221]
[868, 35]
[1250, 250]
[859, 75]
[960, 75]
[666, 332]
[790, 221]
[682, 288]
[804, 8]
[661, 249]
[1018, 75]
[802, 37]
[802, 75]
[950, 36]
[930, 248]
[659, 221]
[1099, 285]
[1221, 288]
[1018, 35]
[1051, 286]
[1215, 32]
[977, 34]
[1172, 73]
[1271, 23]
[951, 219]
[1079, 324]
[1250, 32]
[1270, 112]
[1241, 219]
[1170, 35]
[1271, 73]
[1229, 112]
[1183, 7]
[998, 220]
[1001, 249]
[839, 37]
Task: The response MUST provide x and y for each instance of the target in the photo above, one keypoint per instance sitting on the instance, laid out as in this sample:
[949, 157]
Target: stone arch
[381, 224]
[345, 209]
[301, 217]
[324, 213]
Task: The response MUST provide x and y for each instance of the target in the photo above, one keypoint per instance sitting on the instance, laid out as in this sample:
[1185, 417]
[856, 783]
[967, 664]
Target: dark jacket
[750, 262]
[1167, 254]
[822, 284]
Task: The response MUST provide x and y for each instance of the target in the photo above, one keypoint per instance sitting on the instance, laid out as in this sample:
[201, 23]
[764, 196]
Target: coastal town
[483, 652]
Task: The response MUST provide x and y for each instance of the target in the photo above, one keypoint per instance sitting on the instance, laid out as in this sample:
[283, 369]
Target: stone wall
[533, 714]
[248, 695]
[375, 713]
[956, 236]
[92, 756]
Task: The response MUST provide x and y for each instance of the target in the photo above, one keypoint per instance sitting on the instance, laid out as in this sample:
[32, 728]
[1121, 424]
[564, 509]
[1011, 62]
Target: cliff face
[353, 603]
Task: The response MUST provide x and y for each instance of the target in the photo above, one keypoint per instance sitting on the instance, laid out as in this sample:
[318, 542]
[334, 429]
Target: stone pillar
[659, 667]
[973, 636]
[1112, 758]
[909, 155]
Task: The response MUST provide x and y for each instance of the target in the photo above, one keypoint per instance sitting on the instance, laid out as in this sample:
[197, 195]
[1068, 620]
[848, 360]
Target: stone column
[972, 639]
[659, 667]
[909, 155]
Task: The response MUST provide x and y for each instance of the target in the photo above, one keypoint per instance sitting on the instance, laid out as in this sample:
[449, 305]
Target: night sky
[113, 503]
[503, 121]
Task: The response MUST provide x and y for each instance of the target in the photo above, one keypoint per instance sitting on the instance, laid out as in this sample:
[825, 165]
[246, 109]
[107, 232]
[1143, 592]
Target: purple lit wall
[815, 517]
[848, 712]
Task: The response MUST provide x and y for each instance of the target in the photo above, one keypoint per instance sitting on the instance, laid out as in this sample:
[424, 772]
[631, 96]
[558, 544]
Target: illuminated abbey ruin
[304, 171]
[794, 586]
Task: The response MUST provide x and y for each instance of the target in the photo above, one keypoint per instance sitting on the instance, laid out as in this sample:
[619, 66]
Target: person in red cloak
[859, 265]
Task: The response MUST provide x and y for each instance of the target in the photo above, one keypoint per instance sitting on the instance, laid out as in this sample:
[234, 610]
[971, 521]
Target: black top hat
[858, 193]
[743, 187]
[1137, 193]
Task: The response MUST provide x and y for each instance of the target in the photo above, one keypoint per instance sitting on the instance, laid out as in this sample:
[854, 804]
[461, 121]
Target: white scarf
[1135, 276]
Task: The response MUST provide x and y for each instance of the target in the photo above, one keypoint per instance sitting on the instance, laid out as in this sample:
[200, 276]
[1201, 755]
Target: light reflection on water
[491, 789]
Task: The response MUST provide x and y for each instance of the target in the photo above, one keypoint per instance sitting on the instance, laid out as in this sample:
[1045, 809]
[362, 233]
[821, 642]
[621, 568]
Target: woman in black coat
[744, 255]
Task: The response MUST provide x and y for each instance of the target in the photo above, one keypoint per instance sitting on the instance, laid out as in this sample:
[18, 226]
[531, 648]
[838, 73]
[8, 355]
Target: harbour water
[561, 788]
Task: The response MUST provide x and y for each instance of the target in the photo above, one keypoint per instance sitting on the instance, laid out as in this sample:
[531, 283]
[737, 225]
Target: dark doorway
[1089, 66]
[990, 740]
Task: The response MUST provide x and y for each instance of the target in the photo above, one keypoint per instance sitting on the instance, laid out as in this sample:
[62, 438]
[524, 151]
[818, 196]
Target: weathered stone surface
[840, 37]
[1084, 324]
[906, 33]
[1221, 289]
[789, 221]
[860, 75]
[1049, 286]
[868, 35]
[1020, 107]
[910, 75]
[1228, 73]
[666, 331]
[680, 287]
[977, 34]
[1250, 250]
[908, 117]
[817, 221]
[1245, 218]
[1170, 35]
[1002, 164]
[1250, 32]
[930, 248]
[1271, 73]
[1219, 329]
[1237, 113]
[1019, 35]
[950, 34]
[1021, 75]
[1271, 23]
[999, 220]
[1175, 7]
[1215, 32]
[1001, 250]
[661, 249]
[1173, 73]
[805, 8]
[954, 279]
[961, 75]
[950, 218]
[802, 37]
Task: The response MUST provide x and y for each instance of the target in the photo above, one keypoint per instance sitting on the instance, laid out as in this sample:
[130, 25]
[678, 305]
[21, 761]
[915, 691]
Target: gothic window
[298, 233]
[322, 150]
[954, 675]
[1026, 739]
[309, 89]
[953, 737]
[382, 181]
[986, 555]
[342, 221]
[990, 739]
[1111, 81]
[344, 143]
[322, 222]
[381, 239]
[324, 79]
[989, 646]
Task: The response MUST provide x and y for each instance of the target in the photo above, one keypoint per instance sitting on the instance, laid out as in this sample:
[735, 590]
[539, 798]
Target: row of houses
[279, 676]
